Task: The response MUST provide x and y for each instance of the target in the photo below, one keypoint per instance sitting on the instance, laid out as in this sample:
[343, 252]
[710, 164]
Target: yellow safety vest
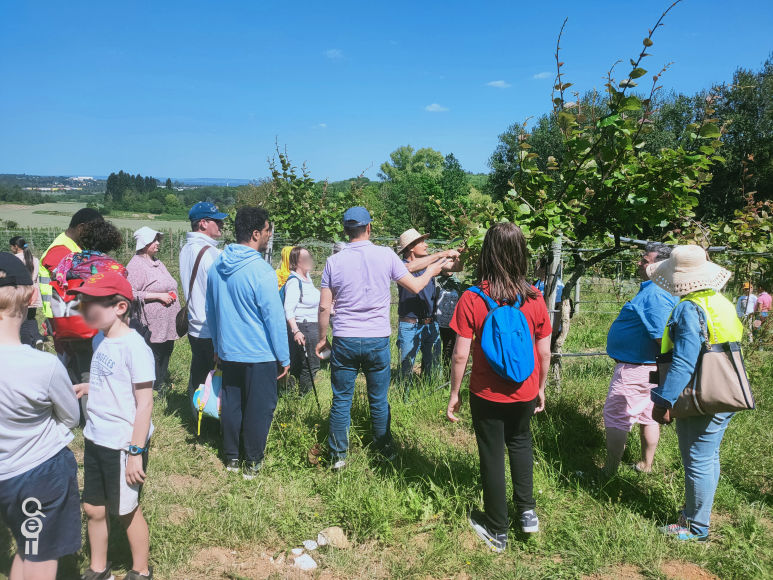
[45, 276]
[721, 319]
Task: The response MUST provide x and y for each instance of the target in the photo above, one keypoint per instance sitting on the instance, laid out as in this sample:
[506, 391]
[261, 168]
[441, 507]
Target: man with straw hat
[417, 328]
[690, 275]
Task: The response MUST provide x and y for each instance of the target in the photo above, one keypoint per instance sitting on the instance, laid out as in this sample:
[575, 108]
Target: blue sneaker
[496, 542]
[529, 522]
[682, 533]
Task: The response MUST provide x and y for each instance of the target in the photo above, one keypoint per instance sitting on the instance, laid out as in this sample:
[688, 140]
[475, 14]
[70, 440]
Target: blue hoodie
[244, 311]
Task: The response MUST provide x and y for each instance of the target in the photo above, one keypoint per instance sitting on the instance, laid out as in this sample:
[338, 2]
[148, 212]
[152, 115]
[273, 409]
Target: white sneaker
[339, 465]
[529, 522]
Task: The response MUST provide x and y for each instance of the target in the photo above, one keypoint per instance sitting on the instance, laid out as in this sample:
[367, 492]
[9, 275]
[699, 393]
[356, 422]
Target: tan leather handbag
[718, 385]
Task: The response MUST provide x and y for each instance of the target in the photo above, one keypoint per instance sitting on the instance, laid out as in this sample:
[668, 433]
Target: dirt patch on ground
[218, 562]
[685, 571]
[620, 572]
[179, 514]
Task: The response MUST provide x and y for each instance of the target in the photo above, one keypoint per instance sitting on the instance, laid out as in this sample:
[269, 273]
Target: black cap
[16, 273]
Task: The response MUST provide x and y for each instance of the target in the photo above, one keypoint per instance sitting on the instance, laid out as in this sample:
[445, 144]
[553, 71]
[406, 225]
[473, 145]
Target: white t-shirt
[38, 408]
[117, 365]
[305, 309]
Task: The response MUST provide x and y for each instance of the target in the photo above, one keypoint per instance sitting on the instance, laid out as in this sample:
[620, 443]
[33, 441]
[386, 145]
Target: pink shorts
[628, 401]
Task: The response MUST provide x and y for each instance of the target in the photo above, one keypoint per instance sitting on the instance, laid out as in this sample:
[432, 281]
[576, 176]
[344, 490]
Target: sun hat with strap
[408, 238]
[688, 270]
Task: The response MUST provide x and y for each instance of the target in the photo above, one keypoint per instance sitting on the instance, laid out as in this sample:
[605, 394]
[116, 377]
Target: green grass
[407, 520]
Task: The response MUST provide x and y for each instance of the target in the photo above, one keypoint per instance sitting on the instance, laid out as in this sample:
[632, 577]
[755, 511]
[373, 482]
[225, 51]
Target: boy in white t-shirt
[118, 428]
[38, 473]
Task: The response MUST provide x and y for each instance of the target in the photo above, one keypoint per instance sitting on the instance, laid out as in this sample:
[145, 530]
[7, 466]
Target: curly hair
[101, 236]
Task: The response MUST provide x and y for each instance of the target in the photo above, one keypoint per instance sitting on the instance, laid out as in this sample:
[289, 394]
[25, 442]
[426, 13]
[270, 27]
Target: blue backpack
[506, 339]
[283, 289]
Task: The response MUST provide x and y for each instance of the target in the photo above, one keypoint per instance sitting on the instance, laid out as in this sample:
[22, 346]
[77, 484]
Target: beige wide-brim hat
[688, 270]
[145, 236]
[408, 238]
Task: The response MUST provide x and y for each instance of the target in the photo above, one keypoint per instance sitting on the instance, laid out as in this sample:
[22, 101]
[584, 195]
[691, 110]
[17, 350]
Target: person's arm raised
[416, 284]
[418, 264]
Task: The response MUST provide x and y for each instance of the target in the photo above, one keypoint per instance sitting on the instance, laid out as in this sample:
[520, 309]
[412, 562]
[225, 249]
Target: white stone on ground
[305, 562]
[297, 551]
[310, 545]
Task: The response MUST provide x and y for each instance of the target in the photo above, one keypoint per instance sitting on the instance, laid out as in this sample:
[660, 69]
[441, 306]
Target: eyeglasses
[218, 222]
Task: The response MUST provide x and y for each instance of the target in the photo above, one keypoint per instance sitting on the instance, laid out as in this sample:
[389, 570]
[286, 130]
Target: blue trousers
[350, 356]
[414, 337]
[699, 441]
[247, 403]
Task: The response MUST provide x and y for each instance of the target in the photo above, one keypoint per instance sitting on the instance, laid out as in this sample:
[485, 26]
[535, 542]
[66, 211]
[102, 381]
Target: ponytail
[29, 261]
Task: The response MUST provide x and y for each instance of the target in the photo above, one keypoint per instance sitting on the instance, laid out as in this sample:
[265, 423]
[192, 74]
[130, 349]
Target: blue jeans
[699, 440]
[414, 337]
[351, 355]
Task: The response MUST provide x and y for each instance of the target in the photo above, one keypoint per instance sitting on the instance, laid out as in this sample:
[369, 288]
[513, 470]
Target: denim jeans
[699, 441]
[351, 355]
[412, 337]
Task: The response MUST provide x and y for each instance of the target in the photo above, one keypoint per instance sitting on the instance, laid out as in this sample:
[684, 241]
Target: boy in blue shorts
[118, 427]
[38, 407]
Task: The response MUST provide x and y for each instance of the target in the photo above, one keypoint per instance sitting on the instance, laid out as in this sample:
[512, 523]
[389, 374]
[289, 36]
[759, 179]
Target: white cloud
[334, 53]
[320, 126]
[435, 108]
[498, 84]
[543, 75]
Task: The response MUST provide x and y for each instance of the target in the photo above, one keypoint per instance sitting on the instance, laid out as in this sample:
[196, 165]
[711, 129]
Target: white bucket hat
[688, 270]
[409, 237]
[145, 236]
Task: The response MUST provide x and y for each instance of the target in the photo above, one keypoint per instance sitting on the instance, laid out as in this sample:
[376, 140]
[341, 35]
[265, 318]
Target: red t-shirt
[467, 322]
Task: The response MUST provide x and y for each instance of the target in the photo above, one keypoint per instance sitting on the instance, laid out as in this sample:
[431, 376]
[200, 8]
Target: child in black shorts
[38, 473]
[118, 427]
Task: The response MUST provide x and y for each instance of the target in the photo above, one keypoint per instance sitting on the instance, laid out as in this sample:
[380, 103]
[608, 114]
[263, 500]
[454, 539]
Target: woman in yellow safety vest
[689, 274]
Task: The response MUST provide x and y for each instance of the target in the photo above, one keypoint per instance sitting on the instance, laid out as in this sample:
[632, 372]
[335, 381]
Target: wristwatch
[135, 450]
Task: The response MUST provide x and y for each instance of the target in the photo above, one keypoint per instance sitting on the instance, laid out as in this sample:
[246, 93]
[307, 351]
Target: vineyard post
[551, 285]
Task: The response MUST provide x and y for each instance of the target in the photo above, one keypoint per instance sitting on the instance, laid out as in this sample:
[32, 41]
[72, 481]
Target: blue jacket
[244, 312]
[685, 330]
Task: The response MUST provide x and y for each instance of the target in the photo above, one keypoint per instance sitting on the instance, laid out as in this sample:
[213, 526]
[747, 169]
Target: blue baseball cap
[206, 210]
[356, 216]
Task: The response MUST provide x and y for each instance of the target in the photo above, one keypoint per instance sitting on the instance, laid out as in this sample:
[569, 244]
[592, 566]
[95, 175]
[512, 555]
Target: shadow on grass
[178, 404]
[569, 439]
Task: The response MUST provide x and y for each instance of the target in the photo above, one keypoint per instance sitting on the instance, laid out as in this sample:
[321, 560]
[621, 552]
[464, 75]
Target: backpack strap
[490, 302]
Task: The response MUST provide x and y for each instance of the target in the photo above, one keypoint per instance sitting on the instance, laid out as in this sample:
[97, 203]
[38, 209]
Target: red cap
[105, 284]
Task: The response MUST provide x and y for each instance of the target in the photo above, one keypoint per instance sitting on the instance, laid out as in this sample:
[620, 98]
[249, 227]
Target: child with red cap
[118, 427]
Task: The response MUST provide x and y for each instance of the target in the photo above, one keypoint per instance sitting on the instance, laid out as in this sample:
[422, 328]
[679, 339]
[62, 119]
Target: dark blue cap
[356, 216]
[206, 210]
[14, 271]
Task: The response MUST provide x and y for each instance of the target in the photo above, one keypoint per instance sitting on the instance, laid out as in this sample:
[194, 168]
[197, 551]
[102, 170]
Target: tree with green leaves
[601, 179]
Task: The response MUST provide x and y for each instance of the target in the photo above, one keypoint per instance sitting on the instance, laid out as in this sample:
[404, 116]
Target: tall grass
[407, 519]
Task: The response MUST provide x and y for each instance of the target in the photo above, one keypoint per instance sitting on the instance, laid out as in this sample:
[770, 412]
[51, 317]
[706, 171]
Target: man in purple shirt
[358, 278]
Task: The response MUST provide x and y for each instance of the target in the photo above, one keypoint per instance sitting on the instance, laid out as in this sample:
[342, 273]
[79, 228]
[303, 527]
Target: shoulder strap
[196, 269]
[490, 302]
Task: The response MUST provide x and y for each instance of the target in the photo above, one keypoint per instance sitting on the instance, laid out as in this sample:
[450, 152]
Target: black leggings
[162, 352]
[498, 425]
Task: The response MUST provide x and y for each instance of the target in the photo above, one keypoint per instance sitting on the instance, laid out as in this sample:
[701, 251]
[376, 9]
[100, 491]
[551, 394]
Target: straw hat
[408, 238]
[688, 270]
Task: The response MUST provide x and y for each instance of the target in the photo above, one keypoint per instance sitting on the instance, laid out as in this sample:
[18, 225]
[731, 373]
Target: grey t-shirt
[38, 407]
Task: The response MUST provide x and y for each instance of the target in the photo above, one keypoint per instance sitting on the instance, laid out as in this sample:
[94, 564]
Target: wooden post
[551, 285]
[577, 296]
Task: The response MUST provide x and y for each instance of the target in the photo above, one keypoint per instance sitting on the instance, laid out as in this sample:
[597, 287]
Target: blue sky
[203, 89]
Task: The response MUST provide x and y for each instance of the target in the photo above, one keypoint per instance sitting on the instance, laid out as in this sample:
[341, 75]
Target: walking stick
[311, 375]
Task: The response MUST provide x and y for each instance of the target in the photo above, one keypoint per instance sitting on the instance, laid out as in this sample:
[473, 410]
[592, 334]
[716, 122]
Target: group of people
[115, 327]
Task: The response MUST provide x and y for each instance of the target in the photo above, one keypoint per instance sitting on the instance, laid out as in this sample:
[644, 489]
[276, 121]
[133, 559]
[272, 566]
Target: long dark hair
[22, 244]
[503, 262]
